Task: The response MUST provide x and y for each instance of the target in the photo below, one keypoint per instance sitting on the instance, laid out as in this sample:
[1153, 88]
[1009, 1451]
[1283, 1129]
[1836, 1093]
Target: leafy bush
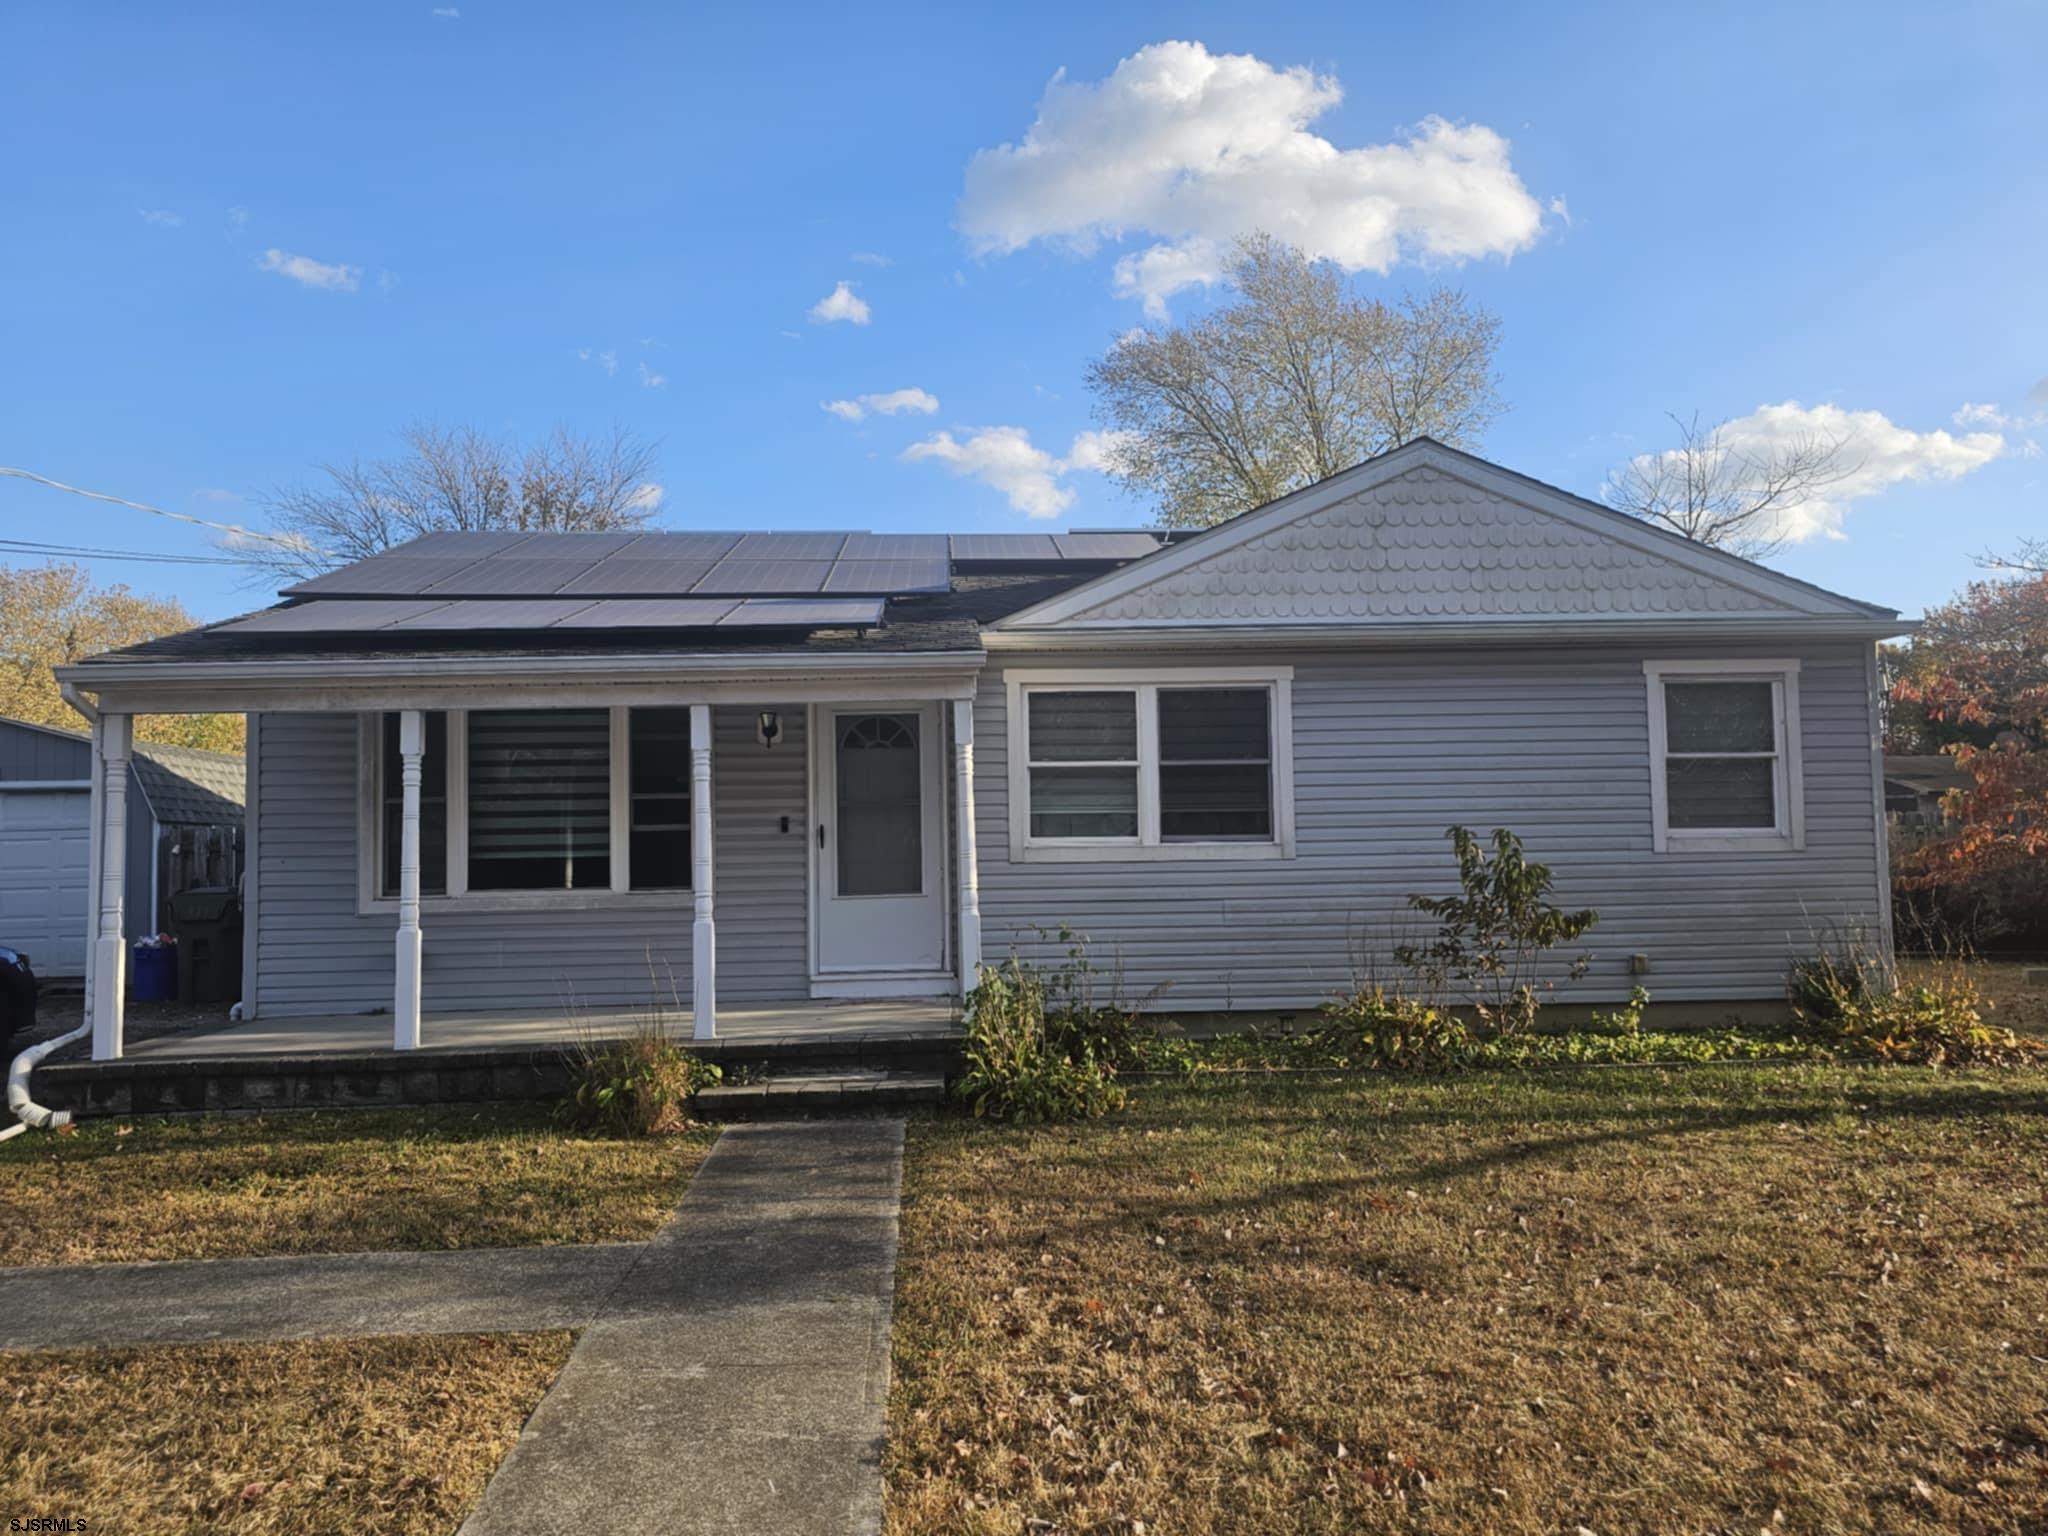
[1493, 935]
[1040, 1048]
[1853, 996]
[642, 1085]
[1377, 1028]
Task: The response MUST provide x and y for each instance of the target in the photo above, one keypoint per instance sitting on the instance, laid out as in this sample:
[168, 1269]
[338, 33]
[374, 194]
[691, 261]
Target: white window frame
[1788, 782]
[1148, 846]
[369, 845]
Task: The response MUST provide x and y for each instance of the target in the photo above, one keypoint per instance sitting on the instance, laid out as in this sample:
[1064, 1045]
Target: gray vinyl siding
[1389, 750]
[30, 755]
[315, 954]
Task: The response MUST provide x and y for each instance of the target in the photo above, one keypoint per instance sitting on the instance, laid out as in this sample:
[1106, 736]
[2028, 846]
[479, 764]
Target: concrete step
[822, 1090]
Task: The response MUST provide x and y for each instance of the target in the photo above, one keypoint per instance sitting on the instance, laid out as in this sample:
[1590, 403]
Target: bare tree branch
[1292, 382]
[458, 478]
[2030, 559]
[1723, 494]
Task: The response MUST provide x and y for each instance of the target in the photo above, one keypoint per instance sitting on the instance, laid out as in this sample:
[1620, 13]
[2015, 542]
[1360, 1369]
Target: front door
[878, 847]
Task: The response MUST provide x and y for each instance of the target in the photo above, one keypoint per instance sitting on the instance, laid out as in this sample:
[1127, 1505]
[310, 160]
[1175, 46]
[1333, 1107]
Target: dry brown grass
[2017, 1003]
[385, 1435]
[1779, 1300]
[331, 1183]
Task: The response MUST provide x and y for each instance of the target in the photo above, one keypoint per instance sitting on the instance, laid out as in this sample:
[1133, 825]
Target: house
[1914, 786]
[508, 771]
[184, 830]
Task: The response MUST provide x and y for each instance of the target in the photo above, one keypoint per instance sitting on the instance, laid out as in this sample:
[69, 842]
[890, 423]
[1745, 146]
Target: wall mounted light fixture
[768, 729]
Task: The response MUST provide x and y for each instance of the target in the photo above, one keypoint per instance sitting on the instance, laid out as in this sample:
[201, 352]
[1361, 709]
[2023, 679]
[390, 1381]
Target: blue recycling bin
[152, 972]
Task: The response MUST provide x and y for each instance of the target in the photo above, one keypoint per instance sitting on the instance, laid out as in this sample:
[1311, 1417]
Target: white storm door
[878, 849]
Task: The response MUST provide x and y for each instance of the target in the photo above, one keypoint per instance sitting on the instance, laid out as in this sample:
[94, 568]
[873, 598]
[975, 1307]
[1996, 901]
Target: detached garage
[184, 830]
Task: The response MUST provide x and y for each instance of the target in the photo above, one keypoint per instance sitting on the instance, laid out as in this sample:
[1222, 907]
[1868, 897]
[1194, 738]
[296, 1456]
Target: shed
[184, 829]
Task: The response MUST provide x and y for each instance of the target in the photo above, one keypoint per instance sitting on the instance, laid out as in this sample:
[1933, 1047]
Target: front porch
[459, 863]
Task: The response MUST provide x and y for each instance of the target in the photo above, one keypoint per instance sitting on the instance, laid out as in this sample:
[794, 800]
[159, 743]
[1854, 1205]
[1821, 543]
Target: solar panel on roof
[1004, 546]
[512, 576]
[789, 546]
[765, 577]
[894, 546]
[454, 541]
[495, 613]
[650, 613]
[343, 617]
[384, 576]
[930, 574]
[627, 576]
[800, 612]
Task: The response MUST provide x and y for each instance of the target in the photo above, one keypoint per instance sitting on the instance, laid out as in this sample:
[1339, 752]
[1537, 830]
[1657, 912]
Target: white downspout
[26, 1111]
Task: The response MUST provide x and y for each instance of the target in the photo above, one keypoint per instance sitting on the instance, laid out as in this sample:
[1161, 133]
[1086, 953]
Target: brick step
[822, 1090]
[144, 1085]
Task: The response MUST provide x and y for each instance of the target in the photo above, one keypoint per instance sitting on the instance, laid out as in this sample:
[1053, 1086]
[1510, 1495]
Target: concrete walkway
[730, 1375]
[736, 1381]
[350, 1295]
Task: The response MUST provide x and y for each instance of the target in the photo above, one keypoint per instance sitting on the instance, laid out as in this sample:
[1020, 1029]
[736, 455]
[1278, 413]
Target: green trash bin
[208, 922]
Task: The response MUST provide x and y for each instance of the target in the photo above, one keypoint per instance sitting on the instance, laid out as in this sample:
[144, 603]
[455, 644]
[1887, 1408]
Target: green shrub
[1038, 1048]
[1376, 1028]
[1493, 935]
[641, 1085]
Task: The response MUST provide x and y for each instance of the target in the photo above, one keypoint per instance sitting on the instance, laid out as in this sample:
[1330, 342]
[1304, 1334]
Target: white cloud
[842, 303]
[160, 218]
[1883, 454]
[304, 270]
[872, 259]
[386, 280]
[1006, 459]
[445, 13]
[649, 379]
[894, 402]
[608, 360]
[1091, 449]
[1986, 415]
[1194, 149]
[646, 496]
[238, 220]
[215, 494]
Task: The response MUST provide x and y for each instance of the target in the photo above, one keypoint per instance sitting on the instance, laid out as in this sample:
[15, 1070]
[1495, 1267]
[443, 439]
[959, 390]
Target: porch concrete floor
[812, 1021]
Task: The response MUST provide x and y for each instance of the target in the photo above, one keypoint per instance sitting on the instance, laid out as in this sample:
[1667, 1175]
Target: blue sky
[523, 215]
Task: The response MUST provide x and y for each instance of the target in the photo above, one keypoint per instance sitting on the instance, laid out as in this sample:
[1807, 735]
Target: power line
[67, 551]
[287, 540]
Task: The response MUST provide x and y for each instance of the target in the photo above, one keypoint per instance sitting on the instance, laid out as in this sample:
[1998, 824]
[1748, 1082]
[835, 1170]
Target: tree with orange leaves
[1978, 672]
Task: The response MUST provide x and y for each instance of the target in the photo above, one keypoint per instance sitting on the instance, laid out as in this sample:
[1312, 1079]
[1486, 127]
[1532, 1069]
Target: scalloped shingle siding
[1428, 545]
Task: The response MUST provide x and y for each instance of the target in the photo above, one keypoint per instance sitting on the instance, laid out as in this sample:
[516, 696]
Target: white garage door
[45, 847]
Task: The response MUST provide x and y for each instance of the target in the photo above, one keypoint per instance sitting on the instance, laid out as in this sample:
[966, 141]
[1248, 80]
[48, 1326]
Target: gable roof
[188, 786]
[1427, 534]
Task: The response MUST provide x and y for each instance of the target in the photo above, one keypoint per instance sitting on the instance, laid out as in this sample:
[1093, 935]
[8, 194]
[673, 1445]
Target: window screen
[433, 807]
[1215, 764]
[1720, 755]
[540, 800]
[881, 816]
[1084, 764]
[659, 844]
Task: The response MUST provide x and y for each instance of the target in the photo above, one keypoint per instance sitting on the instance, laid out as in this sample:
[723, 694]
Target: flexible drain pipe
[26, 1111]
[28, 1114]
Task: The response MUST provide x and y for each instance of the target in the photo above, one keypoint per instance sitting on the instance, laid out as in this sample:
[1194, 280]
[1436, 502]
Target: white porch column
[109, 948]
[405, 1002]
[704, 931]
[970, 869]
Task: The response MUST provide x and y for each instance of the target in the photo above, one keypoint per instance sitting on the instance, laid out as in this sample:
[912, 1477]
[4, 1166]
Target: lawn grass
[1722, 1299]
[331, 1183]
[394, 1435]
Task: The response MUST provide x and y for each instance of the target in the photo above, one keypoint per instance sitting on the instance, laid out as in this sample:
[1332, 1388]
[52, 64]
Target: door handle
[821, 834]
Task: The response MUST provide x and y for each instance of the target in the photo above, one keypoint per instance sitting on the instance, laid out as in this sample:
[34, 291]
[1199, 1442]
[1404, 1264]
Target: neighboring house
[184, 829]
[1914, 786]
[802, 765]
